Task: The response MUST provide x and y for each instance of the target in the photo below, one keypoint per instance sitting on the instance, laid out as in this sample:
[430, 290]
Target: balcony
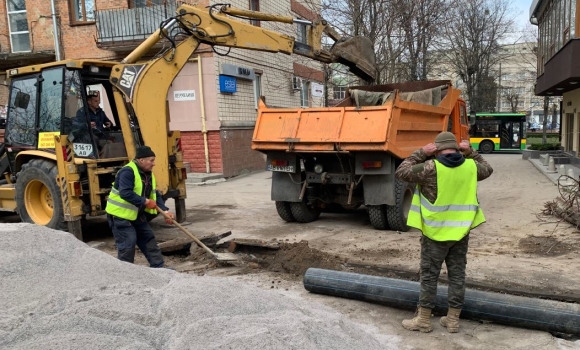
[123, 29]
[21, 59]
[561, 72]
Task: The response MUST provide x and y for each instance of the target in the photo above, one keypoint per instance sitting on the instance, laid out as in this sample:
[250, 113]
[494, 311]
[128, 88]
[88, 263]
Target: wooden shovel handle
[184, 230]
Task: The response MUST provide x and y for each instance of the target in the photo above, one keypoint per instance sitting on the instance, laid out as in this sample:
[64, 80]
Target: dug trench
[289, 261]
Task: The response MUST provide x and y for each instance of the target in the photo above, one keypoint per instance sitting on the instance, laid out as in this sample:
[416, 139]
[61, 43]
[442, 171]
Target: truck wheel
[486, 147]
[397, 214]
[38, 199]
[378, 216]
[284, 211]
[302, 212]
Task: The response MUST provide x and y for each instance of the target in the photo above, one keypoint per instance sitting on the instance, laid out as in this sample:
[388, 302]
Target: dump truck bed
[406, 117]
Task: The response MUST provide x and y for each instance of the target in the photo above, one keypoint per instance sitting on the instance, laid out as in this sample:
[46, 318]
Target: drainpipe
[55, 29]
[203, 118]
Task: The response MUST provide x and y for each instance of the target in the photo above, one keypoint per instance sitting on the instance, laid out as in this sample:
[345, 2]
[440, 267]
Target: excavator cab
[58, 160]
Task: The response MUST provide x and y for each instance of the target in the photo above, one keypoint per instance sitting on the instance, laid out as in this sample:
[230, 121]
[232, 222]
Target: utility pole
[499, 91]
[545, 121]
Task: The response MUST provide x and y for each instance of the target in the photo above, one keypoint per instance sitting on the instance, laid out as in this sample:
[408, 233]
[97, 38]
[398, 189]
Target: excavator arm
[142, 87]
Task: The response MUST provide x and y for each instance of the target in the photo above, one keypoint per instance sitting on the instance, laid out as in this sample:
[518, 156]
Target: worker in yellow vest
[445, 208]
[131, 204]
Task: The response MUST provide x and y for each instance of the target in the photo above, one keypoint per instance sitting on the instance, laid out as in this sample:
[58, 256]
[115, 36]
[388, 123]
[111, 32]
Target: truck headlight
[318, 169]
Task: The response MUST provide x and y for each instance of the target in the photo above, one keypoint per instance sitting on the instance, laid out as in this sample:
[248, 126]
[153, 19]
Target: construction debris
[567, 206]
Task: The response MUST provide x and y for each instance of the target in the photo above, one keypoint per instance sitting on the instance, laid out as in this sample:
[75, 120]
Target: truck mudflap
[286, 176]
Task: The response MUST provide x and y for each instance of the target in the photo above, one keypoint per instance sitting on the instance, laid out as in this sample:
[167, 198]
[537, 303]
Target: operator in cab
[98, 120]
[97, 116]
[132, 204]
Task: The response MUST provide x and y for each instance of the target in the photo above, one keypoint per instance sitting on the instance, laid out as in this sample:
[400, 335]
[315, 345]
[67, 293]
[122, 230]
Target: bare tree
[471, 44]
[375, 19]
[419, 22]
[512, 95]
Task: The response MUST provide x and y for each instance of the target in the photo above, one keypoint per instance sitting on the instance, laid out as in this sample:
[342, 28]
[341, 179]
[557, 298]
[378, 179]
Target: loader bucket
[358, 54]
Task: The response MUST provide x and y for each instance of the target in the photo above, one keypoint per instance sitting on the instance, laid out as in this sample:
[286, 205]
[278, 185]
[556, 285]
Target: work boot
[451, 321]
[421, 322]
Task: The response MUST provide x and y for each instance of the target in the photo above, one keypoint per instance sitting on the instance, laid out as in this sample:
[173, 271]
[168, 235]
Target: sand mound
[57, 293]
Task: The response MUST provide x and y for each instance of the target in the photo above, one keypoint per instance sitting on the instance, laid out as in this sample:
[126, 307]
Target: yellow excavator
[58, 168]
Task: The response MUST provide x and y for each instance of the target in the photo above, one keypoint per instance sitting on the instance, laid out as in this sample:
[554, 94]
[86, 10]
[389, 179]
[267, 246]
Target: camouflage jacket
[419, 168]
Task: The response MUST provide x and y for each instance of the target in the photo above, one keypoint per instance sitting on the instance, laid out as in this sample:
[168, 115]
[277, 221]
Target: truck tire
[397, 214]
[284, 211]
[378, 216]
[486, 146]
[38, 197]
[303, 213]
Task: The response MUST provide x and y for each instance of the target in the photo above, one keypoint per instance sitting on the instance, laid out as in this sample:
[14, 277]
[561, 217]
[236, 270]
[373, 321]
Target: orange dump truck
[346, 156]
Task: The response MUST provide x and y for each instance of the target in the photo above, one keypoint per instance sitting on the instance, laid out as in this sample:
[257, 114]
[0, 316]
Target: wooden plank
[253, 243]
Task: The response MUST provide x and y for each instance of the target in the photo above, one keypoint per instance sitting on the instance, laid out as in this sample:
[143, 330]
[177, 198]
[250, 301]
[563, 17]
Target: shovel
[218, 256]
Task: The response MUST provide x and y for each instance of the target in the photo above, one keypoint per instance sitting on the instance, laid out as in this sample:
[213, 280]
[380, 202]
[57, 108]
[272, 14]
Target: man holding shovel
[132, 201]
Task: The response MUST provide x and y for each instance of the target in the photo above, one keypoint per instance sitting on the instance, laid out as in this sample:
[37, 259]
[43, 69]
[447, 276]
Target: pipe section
[545, 315]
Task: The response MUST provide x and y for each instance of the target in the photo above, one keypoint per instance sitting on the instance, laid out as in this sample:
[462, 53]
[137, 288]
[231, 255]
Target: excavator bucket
[358, 54]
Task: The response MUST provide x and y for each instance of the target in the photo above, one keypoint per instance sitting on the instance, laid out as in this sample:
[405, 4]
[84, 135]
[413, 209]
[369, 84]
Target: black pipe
[545, 315]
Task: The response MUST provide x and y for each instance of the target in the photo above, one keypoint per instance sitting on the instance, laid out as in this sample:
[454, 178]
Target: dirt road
[513, 250]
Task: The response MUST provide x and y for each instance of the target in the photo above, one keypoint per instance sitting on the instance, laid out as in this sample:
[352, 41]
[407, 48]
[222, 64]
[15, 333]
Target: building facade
[213, 101]
[514, 76]
[558, 71]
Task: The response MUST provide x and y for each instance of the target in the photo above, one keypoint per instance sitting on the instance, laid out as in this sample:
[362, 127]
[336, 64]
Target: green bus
[498, 132]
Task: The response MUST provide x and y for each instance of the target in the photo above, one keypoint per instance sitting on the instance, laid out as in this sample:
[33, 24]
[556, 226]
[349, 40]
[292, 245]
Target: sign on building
[184, 95]
[317, 89]
[228, 84]
[237, 71]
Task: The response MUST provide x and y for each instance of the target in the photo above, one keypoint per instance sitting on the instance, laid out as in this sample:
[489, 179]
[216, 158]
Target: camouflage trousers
[433, 253]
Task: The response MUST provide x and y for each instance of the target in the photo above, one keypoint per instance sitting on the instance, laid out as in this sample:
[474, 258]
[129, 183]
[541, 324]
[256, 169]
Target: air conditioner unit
[296, 83]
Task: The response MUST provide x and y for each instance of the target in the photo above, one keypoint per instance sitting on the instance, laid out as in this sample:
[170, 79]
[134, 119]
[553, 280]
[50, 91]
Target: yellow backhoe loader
[58, 168]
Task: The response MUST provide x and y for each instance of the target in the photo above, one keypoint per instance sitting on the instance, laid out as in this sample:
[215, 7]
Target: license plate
[284, 169]
[83, 149]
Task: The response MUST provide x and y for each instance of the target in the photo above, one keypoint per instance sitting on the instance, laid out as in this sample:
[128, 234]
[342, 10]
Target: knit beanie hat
[446, 140]
[144, 152]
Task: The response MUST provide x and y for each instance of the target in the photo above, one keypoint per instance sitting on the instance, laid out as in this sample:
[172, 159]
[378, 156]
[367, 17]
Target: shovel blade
[358, 54]
[226, 256]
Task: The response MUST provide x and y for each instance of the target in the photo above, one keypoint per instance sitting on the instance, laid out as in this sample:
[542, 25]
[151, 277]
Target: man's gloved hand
[149, 204]
[465, 147]
[168, 221]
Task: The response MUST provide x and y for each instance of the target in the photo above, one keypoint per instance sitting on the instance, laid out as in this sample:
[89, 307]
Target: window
[255, 6]
[51, 100]
[21, 128]
[339, 92]
[82, 11]
[257, 88]
[18, 26]
[463, 116]
[304, 101]
[301, 34]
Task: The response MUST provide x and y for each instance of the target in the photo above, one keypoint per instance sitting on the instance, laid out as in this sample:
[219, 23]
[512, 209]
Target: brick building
[199, 102]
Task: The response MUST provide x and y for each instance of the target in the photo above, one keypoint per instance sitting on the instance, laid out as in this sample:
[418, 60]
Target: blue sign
[228, 84]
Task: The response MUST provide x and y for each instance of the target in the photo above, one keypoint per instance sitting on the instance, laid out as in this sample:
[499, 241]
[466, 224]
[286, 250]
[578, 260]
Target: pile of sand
[57, 293]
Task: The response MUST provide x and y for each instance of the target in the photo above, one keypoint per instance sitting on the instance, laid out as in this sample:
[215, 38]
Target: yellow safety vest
[119, 207]
[456, 210]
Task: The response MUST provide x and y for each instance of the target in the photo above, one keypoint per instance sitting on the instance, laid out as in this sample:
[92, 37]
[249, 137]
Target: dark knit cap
[144, 152]
[446, 140]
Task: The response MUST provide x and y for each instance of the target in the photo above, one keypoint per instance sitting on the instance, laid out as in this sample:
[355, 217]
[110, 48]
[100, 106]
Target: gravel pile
[57, 293]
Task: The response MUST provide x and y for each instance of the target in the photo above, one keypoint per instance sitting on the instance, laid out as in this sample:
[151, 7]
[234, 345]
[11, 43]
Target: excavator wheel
[304, 213]
[378, 216]
[397, 214]
[38, 197]
[284, 211]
